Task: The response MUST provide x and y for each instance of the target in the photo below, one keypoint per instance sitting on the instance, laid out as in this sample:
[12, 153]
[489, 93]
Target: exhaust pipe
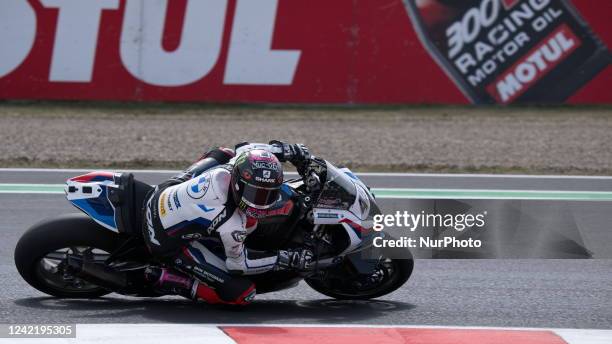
[98, 274]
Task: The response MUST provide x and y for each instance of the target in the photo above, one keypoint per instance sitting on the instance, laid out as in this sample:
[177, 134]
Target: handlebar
[312, 171]
[312, 180]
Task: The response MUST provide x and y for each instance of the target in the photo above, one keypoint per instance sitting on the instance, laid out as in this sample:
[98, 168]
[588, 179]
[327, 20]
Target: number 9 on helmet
[257, 176]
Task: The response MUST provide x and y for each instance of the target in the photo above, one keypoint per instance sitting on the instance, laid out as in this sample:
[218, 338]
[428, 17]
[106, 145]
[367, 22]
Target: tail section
[92, 193]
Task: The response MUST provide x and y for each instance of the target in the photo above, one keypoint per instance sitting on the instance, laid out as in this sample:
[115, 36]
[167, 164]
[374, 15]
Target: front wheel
[41, 254]
[344, 284]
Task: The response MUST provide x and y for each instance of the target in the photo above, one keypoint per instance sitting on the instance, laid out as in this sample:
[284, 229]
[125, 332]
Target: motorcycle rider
[221, 197]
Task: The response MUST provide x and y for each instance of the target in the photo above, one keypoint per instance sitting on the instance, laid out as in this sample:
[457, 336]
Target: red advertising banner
[314, 51]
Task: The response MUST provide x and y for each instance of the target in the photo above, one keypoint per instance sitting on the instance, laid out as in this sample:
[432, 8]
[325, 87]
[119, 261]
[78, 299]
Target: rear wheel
[345, 284]
[41, 254]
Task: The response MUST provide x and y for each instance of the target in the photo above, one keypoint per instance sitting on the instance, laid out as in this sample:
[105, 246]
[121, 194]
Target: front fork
[358, 263]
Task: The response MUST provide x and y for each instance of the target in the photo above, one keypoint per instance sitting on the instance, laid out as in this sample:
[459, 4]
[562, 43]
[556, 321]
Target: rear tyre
[38, 254]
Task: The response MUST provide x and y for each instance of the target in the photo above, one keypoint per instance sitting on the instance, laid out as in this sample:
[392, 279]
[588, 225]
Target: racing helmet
[257, 176]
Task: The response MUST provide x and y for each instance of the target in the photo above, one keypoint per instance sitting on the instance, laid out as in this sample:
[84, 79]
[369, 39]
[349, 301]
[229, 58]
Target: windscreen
[338, 190]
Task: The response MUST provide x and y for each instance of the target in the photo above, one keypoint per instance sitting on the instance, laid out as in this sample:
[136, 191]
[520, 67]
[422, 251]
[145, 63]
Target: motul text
[250, 59]
[533, 66]
[510, 51]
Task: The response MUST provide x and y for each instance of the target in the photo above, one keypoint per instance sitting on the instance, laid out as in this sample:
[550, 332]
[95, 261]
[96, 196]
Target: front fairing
[346, 201]
[344, 198]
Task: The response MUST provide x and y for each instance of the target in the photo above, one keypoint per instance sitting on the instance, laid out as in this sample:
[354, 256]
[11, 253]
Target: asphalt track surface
[516, 293]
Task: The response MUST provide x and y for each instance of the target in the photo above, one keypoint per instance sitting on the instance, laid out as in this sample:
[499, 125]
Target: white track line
[212, 334]
[372, 174]
[136, 334]
[458, 327]
[585, 336]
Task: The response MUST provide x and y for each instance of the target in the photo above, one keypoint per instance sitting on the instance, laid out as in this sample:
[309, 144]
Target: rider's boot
[171, 282]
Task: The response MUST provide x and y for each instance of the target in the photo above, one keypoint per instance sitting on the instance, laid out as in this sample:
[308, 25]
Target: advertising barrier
[340, 52]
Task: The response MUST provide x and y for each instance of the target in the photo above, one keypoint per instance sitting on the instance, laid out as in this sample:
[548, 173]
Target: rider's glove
[295, 154]
[301, 259]
[300, 153]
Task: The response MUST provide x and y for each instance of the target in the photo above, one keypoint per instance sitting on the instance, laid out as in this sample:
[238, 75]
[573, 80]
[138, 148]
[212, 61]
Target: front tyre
[40, 254]
[343, 284]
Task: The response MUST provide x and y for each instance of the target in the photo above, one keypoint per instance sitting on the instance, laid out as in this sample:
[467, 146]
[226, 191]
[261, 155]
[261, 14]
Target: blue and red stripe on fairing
[100, 209]
[94, 177]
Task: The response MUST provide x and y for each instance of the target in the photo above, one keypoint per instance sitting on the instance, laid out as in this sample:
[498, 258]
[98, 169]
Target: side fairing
[347, 201]
[90, 192]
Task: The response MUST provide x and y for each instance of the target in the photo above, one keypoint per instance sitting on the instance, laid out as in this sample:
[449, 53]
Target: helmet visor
[259, 197]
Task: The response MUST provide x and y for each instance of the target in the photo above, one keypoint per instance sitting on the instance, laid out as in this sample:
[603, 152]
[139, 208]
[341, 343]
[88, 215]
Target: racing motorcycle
[101, 250]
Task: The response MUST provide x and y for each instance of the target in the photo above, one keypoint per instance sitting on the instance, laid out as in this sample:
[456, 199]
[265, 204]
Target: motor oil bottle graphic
[510, 51]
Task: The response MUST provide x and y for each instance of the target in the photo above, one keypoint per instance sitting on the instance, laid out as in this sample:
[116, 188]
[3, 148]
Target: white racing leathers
[199, 208]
